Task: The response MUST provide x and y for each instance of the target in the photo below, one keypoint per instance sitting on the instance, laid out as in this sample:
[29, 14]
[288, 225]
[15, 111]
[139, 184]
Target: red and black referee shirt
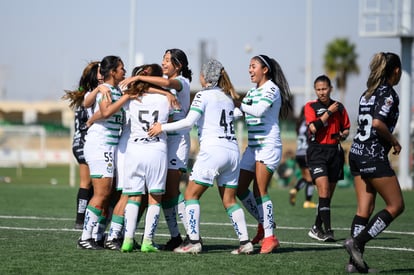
[338, 121]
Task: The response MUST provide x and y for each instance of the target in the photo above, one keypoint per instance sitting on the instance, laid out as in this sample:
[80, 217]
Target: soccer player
[218, 159]
[305, 181]
[177, 81]
[328, 125]
[115, 236]
[89, 80]
[146, 171]
[263, 106]
[101, 141]
[368, 158]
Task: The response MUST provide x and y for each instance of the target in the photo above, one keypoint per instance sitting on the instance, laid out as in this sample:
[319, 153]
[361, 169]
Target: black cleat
[89, 244]
[355, 252]
[173, 243]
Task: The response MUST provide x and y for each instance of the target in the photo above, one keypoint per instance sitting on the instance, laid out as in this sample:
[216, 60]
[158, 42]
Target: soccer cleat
[173, 243]
[188, 247]
[114, 244]
[309, 204]
[148, 246]
[127, 245]
[243, 249]
[317, 234]
[269, 244]
[259, 235]
[329, 236]
[351, 268]
[89, 244]
[355, 252]
[137, 246]
[292, 196]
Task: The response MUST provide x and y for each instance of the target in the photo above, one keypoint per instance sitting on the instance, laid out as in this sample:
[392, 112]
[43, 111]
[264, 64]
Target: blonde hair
[382, 67]
[225, 84]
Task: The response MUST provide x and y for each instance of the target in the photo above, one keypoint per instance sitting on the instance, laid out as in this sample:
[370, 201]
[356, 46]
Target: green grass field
[37, 236]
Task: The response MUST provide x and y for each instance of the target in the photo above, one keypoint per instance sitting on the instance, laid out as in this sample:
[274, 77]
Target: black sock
[300, 184]
[82, 200]
[318, 221]
[324, 211]
[309, 191]
[374, 227]
[358, 224]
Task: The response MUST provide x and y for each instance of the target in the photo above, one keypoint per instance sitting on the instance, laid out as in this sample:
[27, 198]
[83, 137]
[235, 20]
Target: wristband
[329, 112]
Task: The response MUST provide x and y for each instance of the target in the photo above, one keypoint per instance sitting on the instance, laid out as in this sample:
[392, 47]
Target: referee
[328, 125]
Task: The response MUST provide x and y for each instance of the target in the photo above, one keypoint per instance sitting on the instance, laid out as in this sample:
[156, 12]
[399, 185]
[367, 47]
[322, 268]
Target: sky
[45, 44]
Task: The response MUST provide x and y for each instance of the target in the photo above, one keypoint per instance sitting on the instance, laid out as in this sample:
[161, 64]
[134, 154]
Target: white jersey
[143, 113]
[183, 97]
[219, 157]
[107, 130]
[261, 107]
[146, 168]
[212, 111]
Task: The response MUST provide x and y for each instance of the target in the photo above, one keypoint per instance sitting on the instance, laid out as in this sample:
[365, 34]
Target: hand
[127, 81]
[172, 99]
[237, 102]
[155, 129]
[334, 107]
[343, 135]
[106, 93]
[397, 147]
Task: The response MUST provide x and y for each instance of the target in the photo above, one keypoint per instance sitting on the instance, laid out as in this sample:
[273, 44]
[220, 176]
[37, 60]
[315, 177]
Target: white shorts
[178, 150]
[146, 168]
[269, 156]
[120, 160]
[217, 163]
[100, 159]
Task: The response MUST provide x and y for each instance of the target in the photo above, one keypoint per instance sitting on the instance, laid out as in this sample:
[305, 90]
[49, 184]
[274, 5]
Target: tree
[340, 61]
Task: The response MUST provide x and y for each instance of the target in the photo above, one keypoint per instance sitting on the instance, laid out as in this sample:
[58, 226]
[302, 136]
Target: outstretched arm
[185, 123]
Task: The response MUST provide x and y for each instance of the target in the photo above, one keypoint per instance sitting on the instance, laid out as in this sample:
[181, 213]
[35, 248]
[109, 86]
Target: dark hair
[87, 82]
[275, 73]
[382, 67]
[108, 64]
[179, 59]
[322, 78]
[139, 87]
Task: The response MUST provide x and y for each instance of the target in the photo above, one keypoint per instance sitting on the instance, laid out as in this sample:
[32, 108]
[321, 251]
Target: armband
[318, 124]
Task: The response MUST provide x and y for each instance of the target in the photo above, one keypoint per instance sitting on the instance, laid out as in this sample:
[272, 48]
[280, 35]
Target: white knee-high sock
[192, 214]
[249, 202]
[267, 210]
[237, 218]
[151, 221]
[181, 210]
[130, 218]
[92, 215]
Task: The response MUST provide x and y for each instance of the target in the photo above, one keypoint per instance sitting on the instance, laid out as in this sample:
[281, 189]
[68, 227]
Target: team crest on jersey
[365, 102]
[388, 102]
[109, 168]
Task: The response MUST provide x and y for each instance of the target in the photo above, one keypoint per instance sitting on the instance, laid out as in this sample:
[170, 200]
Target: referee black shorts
[326, 160]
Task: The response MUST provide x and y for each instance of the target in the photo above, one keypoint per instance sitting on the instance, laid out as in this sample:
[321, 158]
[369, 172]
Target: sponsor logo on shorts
[368, 170]
[317, 170]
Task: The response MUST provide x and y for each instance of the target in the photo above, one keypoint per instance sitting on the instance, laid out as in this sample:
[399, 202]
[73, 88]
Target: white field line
[205, 223]
[205, 237]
